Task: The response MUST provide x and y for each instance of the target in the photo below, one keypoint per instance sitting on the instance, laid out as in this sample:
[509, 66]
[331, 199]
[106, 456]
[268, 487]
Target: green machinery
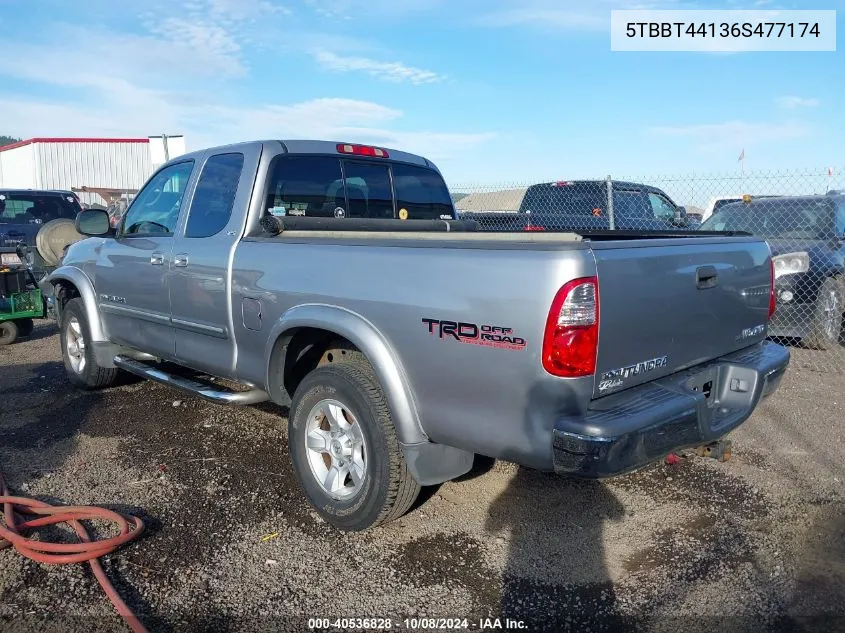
[20, 299]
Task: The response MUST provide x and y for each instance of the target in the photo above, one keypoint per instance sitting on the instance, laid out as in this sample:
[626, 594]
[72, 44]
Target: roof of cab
[309, 146]
[837, 199]
[38, 192]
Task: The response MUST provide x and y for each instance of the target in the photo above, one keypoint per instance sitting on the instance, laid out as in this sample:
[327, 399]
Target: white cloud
[792, 102]
[367, 9]
[208, 42]
[174, 53]
[565, 14]
[388, 71]
[731, 134]
[186, 79]
[190, 75]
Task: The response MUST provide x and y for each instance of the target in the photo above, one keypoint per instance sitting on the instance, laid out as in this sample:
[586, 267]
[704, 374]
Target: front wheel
[344, 448]
[78, 354]
[826, 320]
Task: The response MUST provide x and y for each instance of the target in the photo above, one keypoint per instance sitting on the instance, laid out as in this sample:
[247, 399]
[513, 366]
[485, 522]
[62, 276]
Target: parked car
[583, 205]
[718, 202]
[26, 213]
[323, 276]
[807, 238]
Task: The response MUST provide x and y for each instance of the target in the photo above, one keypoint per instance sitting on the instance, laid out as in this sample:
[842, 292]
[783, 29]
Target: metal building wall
[120, 165]
[17, 168]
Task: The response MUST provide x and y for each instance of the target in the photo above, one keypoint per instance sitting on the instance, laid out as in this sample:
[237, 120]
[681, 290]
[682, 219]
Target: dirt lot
[754, 544]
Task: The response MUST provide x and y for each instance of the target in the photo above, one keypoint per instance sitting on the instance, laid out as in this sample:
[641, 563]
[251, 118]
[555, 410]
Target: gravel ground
[754, 544]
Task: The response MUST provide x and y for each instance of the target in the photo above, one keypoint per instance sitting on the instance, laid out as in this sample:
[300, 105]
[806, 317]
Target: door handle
[157, 259]
[706, 277]
[180, 260]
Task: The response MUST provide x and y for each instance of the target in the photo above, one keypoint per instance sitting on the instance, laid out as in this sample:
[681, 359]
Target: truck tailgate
[667, 305]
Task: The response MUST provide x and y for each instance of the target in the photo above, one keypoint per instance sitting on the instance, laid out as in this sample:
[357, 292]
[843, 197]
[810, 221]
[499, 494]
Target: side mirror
[93, 222]
[680, 216]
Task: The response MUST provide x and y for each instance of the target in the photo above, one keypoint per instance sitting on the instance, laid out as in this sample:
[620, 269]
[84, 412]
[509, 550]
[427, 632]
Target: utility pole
[164, 144]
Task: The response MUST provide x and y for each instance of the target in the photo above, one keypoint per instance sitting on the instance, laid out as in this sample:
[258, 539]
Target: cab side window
[663, 209]
[214, 197]
[155, 210]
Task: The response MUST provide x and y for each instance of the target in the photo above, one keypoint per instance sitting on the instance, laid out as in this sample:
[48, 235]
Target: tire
[385, 489]
[826, 321]
[25, 326]
[8, 332]
[80, 364]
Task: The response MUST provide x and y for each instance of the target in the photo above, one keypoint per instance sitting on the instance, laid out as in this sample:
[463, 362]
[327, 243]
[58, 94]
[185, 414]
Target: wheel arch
[69, 282]
[321, 324]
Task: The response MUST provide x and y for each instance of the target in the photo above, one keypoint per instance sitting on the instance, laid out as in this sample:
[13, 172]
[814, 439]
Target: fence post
[610, 216]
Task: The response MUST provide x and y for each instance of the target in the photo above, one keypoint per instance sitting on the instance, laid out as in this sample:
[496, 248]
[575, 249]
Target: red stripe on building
[30, 141]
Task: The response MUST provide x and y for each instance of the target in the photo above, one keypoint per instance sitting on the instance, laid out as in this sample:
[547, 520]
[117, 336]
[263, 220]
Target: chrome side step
[203, 390]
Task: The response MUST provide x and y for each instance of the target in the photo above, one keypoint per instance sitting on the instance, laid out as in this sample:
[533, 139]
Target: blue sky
[492, 90]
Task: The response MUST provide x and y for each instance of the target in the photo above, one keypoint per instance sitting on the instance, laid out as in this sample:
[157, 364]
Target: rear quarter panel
[490, 400]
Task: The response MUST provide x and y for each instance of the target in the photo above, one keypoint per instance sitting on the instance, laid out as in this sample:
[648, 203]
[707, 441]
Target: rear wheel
[344, 448]
[8, 332]
[78, 355]
[827, 316]
[25, 326]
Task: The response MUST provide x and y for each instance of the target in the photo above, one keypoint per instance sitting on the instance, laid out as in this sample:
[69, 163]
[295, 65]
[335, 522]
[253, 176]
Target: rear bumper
[626, 431]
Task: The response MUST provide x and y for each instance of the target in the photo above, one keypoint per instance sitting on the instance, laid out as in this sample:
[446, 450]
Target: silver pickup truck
[335, 279]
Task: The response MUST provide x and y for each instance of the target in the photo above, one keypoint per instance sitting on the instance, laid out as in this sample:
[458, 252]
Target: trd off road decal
[475, 334]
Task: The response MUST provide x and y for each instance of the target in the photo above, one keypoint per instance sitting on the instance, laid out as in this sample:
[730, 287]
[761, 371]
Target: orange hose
[15, 509]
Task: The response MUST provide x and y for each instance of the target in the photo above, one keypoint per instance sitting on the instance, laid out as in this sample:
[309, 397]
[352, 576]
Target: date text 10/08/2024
[413, 624]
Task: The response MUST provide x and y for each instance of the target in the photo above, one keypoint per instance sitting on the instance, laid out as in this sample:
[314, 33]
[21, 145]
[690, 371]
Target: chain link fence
[800, 213]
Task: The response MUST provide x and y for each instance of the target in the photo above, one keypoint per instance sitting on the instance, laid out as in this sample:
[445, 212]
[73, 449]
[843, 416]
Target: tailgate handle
[706, 277]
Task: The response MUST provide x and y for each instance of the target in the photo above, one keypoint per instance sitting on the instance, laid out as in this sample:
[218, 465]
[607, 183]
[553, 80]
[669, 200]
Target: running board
[203, 390]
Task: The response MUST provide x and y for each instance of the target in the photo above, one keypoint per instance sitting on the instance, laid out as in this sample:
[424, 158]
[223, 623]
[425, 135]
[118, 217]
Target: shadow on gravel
[817, 600]
[555, 528]
[41, 331]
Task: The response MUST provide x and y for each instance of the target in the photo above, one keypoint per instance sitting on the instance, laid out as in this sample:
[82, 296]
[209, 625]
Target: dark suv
[807, 237]
[24, 211]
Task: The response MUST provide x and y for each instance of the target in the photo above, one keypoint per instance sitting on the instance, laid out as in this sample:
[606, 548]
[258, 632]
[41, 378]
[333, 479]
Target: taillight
[531, 227]
[571, 339]
[362, 150]
[772, 293]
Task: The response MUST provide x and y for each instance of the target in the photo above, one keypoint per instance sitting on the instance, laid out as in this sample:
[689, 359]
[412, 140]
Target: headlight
[791, 263]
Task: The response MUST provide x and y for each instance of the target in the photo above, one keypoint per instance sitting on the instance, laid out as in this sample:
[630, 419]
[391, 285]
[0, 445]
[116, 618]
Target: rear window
[325, 186]
[32, 208]
[570, 199]
[422, 193]
[585, 200]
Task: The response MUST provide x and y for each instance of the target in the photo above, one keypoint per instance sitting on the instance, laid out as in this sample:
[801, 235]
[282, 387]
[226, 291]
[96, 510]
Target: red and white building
[74, 163]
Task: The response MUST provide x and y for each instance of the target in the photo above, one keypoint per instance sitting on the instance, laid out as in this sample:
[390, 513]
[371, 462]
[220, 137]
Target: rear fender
[368, 339]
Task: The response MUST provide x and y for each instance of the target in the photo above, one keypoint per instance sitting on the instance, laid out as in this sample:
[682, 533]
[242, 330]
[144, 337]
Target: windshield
[34, 208]
[799, 218]
[589, 199]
